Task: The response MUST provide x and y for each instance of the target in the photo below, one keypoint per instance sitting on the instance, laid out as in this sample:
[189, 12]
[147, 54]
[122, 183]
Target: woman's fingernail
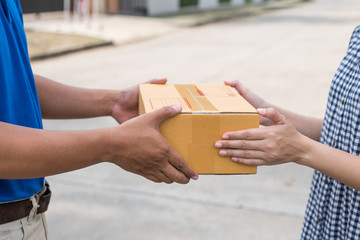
[195, 177]
[225, 136]
[218, 144]
[261, 110]
[222, 153]
[235, 159]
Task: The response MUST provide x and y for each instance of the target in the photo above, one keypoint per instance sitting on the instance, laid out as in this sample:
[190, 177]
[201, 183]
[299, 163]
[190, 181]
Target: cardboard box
[208, 111]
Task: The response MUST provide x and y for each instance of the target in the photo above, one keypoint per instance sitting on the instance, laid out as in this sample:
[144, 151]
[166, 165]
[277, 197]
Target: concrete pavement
[49, 34]
[288, 57]
[43, 44]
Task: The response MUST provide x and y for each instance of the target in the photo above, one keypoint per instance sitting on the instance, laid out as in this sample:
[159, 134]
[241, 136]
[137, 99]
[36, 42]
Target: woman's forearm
[308, 126]
[334, 163]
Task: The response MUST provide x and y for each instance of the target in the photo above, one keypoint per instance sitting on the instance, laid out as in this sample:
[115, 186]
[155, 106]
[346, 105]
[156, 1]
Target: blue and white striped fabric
[333, 210]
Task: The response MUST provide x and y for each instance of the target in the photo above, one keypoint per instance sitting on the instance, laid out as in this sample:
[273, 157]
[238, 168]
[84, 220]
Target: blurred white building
[132, 7]
[159, 7]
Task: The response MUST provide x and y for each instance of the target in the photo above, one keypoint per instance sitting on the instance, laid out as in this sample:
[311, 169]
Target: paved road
[288, 57]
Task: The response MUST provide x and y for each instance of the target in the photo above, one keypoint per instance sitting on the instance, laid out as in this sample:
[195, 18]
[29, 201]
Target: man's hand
[127, 105]
[138, 147]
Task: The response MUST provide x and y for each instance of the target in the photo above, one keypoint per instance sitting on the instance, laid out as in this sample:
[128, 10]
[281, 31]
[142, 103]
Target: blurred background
[286, 51]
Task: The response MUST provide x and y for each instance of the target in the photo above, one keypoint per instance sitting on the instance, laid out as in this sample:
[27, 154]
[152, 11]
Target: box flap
[195, 99]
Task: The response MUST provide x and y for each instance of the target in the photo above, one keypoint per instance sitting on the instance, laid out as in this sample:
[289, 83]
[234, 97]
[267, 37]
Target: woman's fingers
[261, 146]
[239, 144]
[270, 113]
[248, 134]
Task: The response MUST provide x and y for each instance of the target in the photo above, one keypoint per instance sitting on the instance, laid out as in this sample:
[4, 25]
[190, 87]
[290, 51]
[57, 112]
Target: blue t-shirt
[19, 102]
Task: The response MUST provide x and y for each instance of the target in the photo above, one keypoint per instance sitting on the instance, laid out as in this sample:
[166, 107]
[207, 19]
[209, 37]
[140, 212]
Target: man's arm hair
[60, 101]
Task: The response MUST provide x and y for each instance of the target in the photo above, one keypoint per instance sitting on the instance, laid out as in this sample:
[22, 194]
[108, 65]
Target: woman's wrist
[306, 151]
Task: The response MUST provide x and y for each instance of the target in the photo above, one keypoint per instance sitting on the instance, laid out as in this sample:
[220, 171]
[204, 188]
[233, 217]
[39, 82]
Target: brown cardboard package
[208, 111]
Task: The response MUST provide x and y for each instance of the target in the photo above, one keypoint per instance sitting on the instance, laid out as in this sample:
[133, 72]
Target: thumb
[165, 113]
[158, 81]
[270, 113]
[238, 86]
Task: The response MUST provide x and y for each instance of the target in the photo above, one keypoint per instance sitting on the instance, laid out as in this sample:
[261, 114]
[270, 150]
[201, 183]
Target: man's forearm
[136, 146]
[30, 153]
[59, 101]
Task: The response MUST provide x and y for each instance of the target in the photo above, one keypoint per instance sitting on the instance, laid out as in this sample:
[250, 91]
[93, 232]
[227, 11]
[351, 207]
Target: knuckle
[169, 181]
[157, 164]
[166, 151]
[224, 144]
[271, 110]
[243, 144]
[186, 180]
[246, 154]
[270, 147]
[168, 110]
[247, 135]
[180, 166]
[181, 179]
[271, 134]
[177, 179]
[154, 179]
[272, 157]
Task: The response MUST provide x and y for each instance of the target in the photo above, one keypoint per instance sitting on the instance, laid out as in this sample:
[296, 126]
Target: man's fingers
[181, 165]
[164, 113]
[273, 115]
[175, 175]
[153, 178]
[163, 178]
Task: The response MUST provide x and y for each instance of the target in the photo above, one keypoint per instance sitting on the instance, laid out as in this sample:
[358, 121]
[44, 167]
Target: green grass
[188, 3]
[224, 1]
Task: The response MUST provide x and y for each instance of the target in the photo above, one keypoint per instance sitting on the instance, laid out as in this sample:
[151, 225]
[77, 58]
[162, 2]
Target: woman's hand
[277, 144]
[252, 98]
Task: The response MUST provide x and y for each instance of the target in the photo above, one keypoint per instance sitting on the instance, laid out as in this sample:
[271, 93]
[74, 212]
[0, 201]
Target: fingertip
[222, 153]
[158, 81]
[262, 111]
[225, 136]
[230, 83]
[177, 108]
[196, 177]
